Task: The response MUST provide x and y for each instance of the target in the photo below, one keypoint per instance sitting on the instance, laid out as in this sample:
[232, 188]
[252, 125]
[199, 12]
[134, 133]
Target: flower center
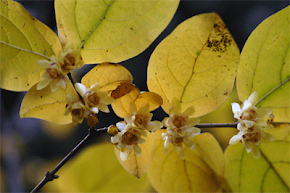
[54, 73]
[129, 138]
[77, 112]
[141, 120]
[252, 137]
[177, 141]
[179, 121]
[249, 114]
[94, 99]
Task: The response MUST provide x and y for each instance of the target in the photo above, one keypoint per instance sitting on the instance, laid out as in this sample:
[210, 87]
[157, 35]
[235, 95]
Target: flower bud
[113, 130]
[92, 120]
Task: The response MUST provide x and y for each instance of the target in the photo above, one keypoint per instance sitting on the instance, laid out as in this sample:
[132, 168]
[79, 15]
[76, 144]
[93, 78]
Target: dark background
[28, 147]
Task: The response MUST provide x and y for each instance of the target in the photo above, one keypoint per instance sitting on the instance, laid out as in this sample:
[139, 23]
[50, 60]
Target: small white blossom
[251, 125]
[76, 108]
[52, 75]
[180, 129]
[142, 119]
[93, 98]
[126, 140]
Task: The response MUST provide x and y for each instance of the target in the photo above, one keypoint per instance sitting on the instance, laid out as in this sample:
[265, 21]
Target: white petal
[121, 125]
[248, 123]
[95, 87]
[248, 146]
[95, 110]
[266, 137]
[235, 107]
[264, 112]
[125, 154]
[81, 88]
[53, 86]
[116, 138]
[256, 151]
[253, 98]
[175, 107]
[42, 84]
[241, 127]
[235, 139]
[261, 123]
[137, 150]
[192, 121]
[43, 63]
[246, 105]
[189, 111]
[154, 125]
[104, 108]
[189, 143]
[180, 151]
[133, 108]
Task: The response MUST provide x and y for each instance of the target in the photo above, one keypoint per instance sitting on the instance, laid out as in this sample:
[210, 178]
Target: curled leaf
[136, 165]
[47, 105]
[196, 64]
[264, 65]
[24, 40]
[112, 30]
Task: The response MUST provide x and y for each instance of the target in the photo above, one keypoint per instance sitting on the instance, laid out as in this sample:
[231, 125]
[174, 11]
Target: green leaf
[136, 165]
[112, 30]
[196, 64]
[47, 105]
[201, 171]
[264, 65]
[268, 173]
[24, 40]
[96, 169]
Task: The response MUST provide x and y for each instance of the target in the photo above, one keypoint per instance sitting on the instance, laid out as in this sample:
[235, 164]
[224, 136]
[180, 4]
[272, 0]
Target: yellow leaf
[96, 169]
[201, 171]
[47, 105]
[196, 64]
[223, 114]
[112, 30]
[121, 106]
[268, 173]
[264, 65]
[24, 40]
[136, 165]
[152, 98]
[108, 75]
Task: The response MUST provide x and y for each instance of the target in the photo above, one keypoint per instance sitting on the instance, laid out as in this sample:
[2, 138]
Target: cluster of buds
[92, 101]
[251, 125]
[180, 129]
[56, 69]
[132, 129]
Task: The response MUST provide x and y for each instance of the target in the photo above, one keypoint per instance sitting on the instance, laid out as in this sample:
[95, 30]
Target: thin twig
[49, 176]
[211, 125]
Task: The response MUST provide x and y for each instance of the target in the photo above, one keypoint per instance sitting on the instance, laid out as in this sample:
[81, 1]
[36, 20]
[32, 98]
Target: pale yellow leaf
[269, 173]
[151, 98]
[47, 105]
[136, 165]
[23, 41]
[264, 65]
[201, 171]
[196, 64]
[96, 169]
[107, 74]
[112, 30]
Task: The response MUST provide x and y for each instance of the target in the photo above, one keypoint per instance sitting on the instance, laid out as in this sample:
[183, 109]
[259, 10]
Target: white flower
[126, 140]
[94, 99]
[248, 114]
[142, 119]
[76, 108]
[251, 139]
[52, 75]
[180, 129]
[70, 58]
[251, 125]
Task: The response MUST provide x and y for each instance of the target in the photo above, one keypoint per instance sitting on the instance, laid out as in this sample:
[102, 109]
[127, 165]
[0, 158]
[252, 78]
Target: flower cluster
[180, 129]
[251, 125]
[132, 129]
[57, 68]
[92, 101]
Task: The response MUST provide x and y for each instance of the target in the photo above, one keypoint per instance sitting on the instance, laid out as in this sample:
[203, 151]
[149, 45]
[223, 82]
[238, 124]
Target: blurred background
[30, 147]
